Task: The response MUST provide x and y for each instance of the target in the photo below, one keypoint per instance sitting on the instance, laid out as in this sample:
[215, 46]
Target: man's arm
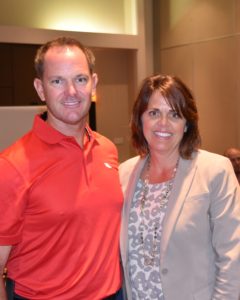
[4, 253]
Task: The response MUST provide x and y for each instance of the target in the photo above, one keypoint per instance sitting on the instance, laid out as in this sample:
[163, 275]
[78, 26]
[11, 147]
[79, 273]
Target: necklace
[149, 258]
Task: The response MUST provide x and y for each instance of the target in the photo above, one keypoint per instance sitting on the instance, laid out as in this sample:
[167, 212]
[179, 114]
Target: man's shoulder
[17, 146]
[22, 143]
[102, 139]
[15, 158]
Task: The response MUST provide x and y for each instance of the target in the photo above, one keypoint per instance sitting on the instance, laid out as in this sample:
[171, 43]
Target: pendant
[148, 261]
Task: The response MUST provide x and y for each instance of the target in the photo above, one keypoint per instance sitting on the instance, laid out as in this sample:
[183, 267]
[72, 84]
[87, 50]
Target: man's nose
[71, 88]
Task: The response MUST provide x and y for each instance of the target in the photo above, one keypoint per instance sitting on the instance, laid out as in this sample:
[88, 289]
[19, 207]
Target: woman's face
[163, 128]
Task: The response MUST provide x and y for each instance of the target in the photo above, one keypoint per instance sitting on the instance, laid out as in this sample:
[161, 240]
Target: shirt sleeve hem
[9, 240]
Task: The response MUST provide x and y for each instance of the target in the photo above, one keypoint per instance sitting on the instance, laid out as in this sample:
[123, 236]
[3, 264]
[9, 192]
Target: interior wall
[16, 75]
[114, 93]
[198, 40]
[73, 15]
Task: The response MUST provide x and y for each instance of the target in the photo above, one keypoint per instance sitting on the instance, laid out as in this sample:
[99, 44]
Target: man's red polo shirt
[61, 208]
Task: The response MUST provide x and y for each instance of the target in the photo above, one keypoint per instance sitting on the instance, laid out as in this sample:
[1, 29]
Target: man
[60, 197]
[234, 155]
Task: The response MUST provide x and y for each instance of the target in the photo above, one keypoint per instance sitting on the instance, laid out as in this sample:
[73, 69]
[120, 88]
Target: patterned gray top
[146, 223]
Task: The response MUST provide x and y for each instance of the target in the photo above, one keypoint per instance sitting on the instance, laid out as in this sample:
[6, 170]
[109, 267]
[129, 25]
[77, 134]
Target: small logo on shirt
[107, 165]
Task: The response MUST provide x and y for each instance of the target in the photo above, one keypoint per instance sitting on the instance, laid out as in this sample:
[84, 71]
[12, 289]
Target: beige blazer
[200, 244]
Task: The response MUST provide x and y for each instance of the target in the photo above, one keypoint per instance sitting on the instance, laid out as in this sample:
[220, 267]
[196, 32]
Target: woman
[180, 237]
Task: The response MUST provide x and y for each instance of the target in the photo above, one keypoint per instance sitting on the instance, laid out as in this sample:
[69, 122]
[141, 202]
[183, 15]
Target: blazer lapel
[182, 183]
[129, 185]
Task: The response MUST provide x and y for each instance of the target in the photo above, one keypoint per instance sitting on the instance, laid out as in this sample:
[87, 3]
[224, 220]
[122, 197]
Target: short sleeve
[12, 203]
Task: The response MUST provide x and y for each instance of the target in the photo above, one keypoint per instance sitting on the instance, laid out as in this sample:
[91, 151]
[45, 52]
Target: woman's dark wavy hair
[61, 42]
[180, 98]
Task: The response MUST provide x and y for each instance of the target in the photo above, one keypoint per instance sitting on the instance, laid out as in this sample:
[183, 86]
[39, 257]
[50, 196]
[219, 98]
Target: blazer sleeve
[224, 214]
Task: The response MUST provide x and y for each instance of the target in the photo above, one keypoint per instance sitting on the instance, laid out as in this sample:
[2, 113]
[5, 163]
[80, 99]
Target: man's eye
[56, 81]
[82, 79]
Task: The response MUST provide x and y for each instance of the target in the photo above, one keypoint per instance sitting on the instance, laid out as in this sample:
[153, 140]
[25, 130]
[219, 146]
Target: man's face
[234, 156]
[67, 87]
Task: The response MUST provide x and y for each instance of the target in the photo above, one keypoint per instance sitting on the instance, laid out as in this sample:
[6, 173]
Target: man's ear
[39, 88]
[94, 84]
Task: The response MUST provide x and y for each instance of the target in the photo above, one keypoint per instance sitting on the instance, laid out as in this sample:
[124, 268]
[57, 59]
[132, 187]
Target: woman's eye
[154, 113]
[175, 115]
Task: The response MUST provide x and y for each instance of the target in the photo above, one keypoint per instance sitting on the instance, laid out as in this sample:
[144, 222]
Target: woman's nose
[163, 119]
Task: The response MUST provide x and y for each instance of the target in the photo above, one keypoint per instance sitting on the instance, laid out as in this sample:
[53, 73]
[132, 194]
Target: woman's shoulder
[130, 162]
[129, 165]
[130, 169]
[206, 156]
[211, 161]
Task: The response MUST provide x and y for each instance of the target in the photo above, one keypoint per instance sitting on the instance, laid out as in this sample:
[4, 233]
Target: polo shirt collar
[52, 136]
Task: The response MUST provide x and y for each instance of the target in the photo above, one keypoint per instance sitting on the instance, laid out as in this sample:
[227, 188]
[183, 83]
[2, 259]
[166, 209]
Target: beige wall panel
[178, 61]
[114, 68]
[237, 106]
[112, 116]
[189, 21]
[215, 90]
[237, 15]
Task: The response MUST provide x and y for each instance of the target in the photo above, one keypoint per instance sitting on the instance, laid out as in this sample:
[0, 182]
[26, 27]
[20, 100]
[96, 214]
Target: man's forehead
[65, 55]
[66, 49]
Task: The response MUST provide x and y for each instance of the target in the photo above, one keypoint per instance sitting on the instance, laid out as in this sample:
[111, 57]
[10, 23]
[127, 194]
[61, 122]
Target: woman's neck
[161, 168]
